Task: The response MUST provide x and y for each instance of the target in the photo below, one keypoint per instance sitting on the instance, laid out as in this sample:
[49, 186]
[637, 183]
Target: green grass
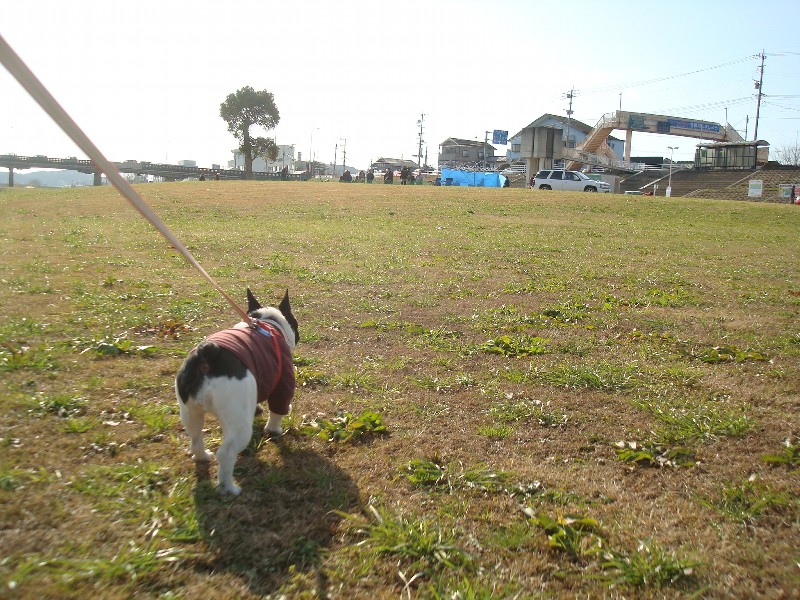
[517, 410]
[748, 501]
[431, 473]
[419, 545]
[526, 386]
[602, 376]
[650, 566]
[686, 420]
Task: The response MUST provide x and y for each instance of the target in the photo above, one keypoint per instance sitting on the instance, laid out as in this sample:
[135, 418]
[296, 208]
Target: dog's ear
[285, 307]
[286, 310]
[252, 303]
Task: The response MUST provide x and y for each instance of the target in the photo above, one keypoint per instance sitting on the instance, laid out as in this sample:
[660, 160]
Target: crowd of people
[406, 176]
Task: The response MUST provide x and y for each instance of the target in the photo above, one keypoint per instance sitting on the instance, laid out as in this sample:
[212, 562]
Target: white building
[285, 159]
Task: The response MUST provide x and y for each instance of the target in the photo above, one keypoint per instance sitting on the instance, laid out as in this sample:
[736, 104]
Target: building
[285, 159]
[576, 130]
[458, 153]
[731, 155]
[392, 164]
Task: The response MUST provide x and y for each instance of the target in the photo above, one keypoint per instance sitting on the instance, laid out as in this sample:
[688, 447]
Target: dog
[230, 373]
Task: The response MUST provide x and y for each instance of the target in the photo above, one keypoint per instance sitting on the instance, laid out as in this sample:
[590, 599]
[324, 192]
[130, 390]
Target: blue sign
[694, 125]
[500, 137]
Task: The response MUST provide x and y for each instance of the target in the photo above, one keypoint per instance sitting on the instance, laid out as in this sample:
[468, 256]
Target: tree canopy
[244, 109]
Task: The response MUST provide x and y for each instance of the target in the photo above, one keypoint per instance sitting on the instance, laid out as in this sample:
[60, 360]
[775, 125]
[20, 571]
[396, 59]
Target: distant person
[202, 177]
[404, 175]
[216, 176]
[389, 176]
[507, 182]
[285, 173]
[370, 175]
[346, 177]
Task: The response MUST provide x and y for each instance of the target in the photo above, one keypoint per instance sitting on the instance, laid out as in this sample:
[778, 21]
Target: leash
[14, 65]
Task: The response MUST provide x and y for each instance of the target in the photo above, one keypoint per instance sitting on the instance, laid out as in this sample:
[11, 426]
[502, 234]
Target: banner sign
[636, 122]
[500, 137]
[694, 125]
[754, 188]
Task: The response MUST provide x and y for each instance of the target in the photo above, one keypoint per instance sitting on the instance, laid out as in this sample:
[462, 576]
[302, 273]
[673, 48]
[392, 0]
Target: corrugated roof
[573, 124]
[463, 142]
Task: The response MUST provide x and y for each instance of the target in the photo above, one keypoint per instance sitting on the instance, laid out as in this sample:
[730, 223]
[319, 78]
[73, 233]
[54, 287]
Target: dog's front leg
[274, 426]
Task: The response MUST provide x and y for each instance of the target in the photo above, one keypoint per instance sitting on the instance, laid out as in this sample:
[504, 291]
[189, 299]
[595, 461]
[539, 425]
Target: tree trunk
[247, 149]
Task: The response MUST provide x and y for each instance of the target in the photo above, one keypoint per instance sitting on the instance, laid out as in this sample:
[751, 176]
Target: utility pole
[759, 85]
[485, 139]
[335, 154]
[344, 156]
[570, 95]
[419, 149]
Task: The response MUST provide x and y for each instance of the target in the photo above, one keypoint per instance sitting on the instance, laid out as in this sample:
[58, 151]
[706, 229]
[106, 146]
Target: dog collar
[267, 328]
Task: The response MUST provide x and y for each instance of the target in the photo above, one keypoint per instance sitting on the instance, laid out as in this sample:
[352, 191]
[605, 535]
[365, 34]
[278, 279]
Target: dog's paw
[273, 434]
[230, 488]
[202, 457]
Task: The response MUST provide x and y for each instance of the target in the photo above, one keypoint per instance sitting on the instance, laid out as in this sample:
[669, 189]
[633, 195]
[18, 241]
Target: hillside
[47, 178]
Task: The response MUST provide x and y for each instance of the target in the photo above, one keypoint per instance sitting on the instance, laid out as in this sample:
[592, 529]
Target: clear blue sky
[145, 79]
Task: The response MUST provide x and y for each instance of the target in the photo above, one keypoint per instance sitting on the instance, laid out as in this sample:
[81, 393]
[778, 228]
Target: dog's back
[206, 361]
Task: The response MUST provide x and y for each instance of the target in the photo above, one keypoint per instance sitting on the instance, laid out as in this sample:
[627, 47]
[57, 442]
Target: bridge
[165, 171]
[594, 146]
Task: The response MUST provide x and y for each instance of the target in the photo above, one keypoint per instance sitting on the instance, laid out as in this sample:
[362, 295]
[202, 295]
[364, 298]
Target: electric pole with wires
[570, 95]
[759, 85]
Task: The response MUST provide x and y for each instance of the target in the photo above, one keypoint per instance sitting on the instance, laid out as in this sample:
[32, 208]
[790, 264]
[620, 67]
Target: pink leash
[13, 63]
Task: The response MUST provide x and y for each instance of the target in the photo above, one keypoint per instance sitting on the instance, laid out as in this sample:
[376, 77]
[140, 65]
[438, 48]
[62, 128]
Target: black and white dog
[230, 373]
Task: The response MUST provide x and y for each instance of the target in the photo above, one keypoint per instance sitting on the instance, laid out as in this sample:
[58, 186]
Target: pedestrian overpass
[594, 150]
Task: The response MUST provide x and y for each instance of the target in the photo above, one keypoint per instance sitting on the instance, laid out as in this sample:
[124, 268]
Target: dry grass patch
[541, 395]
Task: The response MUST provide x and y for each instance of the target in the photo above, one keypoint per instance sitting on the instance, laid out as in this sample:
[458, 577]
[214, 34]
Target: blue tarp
[472, 178]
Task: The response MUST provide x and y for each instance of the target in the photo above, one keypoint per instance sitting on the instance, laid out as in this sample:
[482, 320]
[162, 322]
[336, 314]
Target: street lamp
[310, 149]
[669, 185]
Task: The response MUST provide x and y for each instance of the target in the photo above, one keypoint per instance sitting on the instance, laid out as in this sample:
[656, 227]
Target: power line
[617, 87]
[780, 106]
[705, 106]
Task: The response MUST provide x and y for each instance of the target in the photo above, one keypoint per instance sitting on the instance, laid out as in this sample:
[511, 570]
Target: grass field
[502, 394]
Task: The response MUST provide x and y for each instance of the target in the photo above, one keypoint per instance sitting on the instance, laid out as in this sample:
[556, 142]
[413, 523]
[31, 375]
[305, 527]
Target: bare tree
[788, 155]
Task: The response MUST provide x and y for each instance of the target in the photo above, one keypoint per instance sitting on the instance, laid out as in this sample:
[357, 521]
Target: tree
[788, 155]
[241, 111]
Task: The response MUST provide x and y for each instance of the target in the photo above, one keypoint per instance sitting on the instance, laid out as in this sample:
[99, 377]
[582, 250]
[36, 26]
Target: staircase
[722, 184]
[596, 138]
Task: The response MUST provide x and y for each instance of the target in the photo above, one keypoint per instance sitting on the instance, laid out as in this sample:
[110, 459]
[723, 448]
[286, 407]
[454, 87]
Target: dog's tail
[195, 369]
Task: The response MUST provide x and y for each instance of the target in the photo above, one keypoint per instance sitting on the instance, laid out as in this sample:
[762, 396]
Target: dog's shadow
[283, 520]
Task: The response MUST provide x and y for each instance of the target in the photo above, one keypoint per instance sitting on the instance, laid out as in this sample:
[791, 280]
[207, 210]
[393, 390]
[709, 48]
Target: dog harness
[266, 355]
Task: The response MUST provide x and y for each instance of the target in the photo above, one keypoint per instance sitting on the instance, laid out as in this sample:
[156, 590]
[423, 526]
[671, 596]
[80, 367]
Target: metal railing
[588, 158]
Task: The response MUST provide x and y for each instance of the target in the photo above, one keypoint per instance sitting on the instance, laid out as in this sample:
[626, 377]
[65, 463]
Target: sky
[145, 80]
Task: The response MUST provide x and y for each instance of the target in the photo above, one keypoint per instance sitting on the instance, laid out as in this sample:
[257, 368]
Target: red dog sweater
[266, 355]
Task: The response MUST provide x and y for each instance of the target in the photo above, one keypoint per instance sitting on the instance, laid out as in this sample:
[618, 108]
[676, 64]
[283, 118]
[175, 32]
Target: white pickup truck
[572, 181]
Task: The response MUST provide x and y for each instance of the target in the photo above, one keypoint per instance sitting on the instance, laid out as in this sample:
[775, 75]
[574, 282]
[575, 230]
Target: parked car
[572, 181]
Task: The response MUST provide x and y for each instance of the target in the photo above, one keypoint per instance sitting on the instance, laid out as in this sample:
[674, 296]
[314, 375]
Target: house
[285, 159]
[576, 130]
[393, 164]
[457, 153]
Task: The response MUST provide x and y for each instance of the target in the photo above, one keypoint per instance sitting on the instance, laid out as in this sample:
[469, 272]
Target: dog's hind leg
[235, 439]
[193, 418]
